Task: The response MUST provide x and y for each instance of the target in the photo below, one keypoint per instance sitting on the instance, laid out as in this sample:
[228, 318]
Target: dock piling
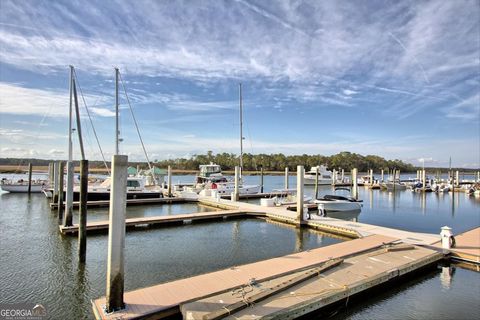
[68, 214]
[29, 178]
[50, 174]
[354, 183]
[116, 234]
[381, 176]
[424, 179]
[316, 182]
[61, 168]
[371, 177]
[457, 180]
[261, 179]
[169, 181]
[236, 193]
[300, 173]
[55, 182]
[447, 235]
[286, 178]
[82, 223]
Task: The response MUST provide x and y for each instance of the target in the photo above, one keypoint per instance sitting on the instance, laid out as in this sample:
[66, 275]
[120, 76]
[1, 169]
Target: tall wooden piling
[457, 179]
[300, 173]
[116, 234]
[169, 181]
[334, 177]
[82, 223]
[29, 178]
[68, 215]
[343, 175]
[261, 179]
[316, 182]
[381, 176]
[61, 169]
[354, 183]
[236, 192]
[371, 177]
[286, 178]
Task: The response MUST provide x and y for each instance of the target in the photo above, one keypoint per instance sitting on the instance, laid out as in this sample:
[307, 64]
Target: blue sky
[399, 79]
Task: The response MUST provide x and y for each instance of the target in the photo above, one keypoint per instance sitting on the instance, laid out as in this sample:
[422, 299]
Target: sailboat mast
[241, 129]
[117, 132]
[70, 146]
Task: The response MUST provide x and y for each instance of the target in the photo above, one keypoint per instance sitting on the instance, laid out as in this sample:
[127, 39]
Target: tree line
[279, 161]
[253, 162]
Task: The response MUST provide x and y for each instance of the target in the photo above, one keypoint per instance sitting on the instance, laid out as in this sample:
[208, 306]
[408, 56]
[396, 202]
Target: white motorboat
[324, 176]
[397, 186]
[335, 203]
[211, 178]
[21, 186]
[289, 198]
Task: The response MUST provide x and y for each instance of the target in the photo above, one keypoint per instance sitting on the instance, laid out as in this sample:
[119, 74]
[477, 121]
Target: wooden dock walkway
[130, 202]
[99, 226]
[165, 299]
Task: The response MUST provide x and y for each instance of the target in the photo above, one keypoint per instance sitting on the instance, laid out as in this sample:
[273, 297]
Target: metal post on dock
[82, 222]
[316, 182]
[354, 183]
[169, 181]
[236, 193]
[286, 178]
[300, 173]
[29, 178]
[61, 168]
[68, 215]
[116, 234]
[55, 182]
[261, 179]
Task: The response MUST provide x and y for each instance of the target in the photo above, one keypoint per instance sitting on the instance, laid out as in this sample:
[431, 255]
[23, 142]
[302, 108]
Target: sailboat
[136, 186]
[211, 177]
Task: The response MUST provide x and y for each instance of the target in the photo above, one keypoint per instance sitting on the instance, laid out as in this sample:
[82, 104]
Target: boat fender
[214, 186]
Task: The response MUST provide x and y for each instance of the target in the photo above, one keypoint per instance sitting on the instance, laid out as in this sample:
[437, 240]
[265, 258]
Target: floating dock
[130, 202]
[288, 286]
[368, 262]
[99, 226]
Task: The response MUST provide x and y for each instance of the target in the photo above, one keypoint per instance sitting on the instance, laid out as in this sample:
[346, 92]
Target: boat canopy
[207, 170]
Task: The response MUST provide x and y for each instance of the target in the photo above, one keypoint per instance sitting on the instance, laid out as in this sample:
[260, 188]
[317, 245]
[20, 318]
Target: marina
[239, 160]
[226, 211]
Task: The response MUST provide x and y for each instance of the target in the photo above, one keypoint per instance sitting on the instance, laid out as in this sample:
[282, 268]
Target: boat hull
[336, 206]
[21, 188]
[311, 181]
[105, 195]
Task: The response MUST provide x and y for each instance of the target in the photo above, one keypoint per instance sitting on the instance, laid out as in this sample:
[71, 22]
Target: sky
[398, 79]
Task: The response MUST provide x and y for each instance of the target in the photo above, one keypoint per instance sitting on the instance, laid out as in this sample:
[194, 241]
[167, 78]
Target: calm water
[38, 265]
